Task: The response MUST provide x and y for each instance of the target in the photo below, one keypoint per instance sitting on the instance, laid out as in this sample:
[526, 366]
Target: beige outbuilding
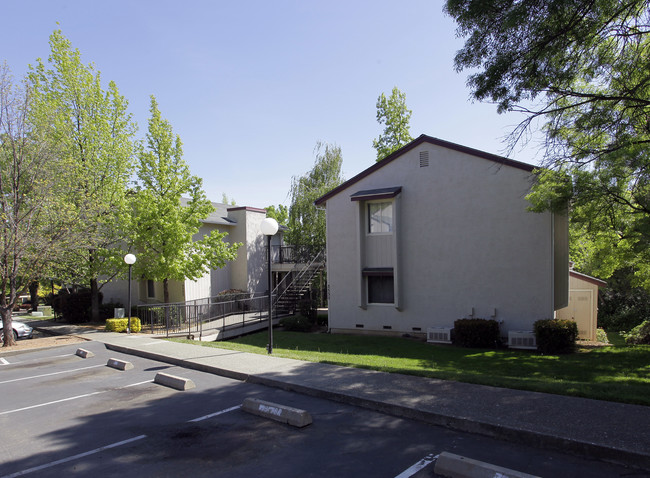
[583, 304]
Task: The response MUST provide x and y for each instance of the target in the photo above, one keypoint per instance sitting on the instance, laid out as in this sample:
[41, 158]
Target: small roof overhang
[382, 193]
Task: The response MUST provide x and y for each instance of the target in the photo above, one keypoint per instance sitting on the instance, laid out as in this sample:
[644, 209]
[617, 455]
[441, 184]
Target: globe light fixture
[130, 260]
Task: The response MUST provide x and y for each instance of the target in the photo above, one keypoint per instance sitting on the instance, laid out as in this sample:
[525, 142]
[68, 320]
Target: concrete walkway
[593, 428]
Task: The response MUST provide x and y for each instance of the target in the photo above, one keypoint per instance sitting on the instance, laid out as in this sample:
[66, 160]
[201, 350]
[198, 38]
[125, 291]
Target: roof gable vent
[424, 159]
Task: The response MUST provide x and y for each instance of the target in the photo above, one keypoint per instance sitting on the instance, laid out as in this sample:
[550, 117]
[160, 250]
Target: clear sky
[252, 86]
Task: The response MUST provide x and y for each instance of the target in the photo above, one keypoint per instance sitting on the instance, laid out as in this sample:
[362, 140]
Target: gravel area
[41, 340]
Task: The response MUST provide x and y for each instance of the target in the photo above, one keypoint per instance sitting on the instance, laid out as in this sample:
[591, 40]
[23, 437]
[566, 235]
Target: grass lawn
[616, 373]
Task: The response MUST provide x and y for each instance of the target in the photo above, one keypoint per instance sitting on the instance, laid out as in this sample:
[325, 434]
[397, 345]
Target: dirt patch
[42, 340]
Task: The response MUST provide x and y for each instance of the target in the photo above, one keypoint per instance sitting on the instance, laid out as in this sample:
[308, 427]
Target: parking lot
[62, 414]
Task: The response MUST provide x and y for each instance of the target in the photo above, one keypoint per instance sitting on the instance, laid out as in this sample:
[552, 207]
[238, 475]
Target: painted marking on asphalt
[107, 447]
[221, 412]
[73, 457]
[49, 374]
[85, 395]
[424, 462]
[3, 361]
[156, 342]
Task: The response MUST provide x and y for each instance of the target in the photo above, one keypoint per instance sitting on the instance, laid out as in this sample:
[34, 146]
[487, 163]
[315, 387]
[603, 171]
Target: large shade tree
[165, 228]
[92, 132]
[580, 68]
[35, 223]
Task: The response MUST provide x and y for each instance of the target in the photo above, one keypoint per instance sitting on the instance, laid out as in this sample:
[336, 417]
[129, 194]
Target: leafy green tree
[35, 225]
[581, 68]
[280, 214]
[393, 113]
[306, 222]
[166, 229]
[92, 132]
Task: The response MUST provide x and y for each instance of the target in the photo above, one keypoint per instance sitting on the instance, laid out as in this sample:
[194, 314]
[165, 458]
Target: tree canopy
[35, 224]
[166, 226]
[306, 222]
[581, 68]
[393, 113]
[92, 132]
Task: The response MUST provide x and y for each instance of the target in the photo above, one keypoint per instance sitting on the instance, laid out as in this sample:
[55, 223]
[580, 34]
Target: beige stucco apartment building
[438, 232]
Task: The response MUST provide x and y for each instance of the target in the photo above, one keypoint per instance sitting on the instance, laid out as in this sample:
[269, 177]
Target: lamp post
[269, 227]
[130, 260]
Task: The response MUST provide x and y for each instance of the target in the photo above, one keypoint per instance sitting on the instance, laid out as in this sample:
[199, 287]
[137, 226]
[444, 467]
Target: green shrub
[601, 336]
[120, 325]
[297, 323]
[555, 336]
[639, 335]
[477, 333]
[74, 307]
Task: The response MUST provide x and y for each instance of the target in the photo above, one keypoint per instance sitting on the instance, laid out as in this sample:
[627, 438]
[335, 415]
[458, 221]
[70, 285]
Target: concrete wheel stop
[119, 364]
[280, 413]
[456, 466]
[83, 353]
[172, 381]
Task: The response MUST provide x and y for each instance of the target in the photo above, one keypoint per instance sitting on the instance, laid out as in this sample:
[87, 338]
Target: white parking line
[427, 460]
[71, 398]
[74, 457]
[205, 417]
[49, 374]
[107, 447]
[3, 361]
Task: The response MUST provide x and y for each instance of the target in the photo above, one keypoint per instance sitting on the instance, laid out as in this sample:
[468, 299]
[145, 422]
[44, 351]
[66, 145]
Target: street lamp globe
[269, 226]
[129, 259]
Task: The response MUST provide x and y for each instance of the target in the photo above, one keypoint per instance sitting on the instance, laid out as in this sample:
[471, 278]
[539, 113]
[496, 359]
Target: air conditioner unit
[522, 339]
[439, 335]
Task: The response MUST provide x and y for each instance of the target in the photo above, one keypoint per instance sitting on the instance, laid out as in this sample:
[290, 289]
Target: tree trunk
[33, 294]
[5, 312]
[94, 301]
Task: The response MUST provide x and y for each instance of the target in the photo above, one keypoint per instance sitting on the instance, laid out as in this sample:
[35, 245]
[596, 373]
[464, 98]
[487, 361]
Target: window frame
[383, 205]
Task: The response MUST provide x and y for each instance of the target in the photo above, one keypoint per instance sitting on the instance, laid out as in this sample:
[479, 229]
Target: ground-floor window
[151, 288]
[381, 289]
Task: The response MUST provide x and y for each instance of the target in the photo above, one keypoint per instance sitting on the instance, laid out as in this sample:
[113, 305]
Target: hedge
[477, 333]
[639, 335]
[120, 325]
[555, 336]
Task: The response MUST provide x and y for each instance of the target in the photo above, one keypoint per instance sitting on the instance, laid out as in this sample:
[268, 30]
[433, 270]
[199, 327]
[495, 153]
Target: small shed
[583, 304]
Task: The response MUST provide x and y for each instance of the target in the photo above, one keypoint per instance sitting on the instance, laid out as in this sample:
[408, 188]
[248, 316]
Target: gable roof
[415, 143]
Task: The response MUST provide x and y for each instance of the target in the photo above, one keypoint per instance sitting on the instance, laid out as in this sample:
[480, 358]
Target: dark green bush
[555, 336]
[107, 311]
[639, 335]
[297, 323]
[74, 307]
[477, 333]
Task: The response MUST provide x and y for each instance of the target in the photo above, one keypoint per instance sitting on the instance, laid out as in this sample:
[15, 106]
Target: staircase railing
[303, 278]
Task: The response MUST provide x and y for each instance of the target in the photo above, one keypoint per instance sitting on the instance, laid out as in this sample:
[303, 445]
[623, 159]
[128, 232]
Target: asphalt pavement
[609, 431]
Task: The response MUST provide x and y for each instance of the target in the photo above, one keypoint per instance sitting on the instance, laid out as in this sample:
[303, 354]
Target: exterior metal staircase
[296, 285]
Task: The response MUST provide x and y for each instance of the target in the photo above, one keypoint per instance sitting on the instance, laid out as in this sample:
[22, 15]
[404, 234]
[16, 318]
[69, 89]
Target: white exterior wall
[464, 241]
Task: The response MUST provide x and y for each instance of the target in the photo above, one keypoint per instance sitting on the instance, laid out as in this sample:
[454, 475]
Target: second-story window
[380, 217]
